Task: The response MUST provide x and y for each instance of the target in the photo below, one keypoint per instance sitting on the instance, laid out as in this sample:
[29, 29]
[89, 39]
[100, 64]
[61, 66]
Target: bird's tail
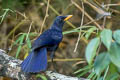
[35, 62]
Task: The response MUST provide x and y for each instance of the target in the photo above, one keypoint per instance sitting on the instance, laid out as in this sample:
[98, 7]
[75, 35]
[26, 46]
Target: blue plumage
[47, 41]
[36, 61]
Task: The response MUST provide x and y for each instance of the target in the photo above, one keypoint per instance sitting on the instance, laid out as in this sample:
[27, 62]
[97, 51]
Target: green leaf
[113, 76]
[89, 32]
[41, 76]
[113, 68]
[113, 72]
[83, 69]
[18, 40]
[28, 43]
[115, 54]
[71, 31]
[78, 29]
[18, 51]
[83, 73]
[101, 62]
[20, 45]
[116, 36]
[91, 50]
[33, 34]
[91, 75]
[94, 78]
[105, 73]
[101, 78]
[106, 37]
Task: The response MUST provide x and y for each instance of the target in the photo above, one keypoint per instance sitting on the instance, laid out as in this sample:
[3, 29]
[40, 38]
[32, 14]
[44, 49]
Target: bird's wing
[50, 37]
[47, 38]
[43, 40]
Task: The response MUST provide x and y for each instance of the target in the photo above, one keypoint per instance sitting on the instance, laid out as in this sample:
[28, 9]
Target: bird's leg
[53, 49]
[52, 56]
[53, 64]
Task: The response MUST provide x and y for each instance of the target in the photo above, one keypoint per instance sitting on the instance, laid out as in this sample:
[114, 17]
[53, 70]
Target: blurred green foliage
[14, 4]
[106, 63]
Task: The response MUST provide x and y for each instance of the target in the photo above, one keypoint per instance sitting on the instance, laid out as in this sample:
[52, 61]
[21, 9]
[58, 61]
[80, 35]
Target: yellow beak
[68, 17]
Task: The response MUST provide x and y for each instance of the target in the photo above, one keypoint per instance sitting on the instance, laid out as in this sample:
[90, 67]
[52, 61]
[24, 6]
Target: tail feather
[26, 62]
[35, 62]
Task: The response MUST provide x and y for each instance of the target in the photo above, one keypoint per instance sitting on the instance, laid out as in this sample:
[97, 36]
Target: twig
[89, 22]
[16, 27]
[86, 14]
[80, 28]
[4, 14]
[66, 9]
[57, 13]
[23, 15]
[111, 5]
[29, 30]
[80, 62]
[65, 60]
[99, 47]
[46, 15]
[104, 21]
[105, 75]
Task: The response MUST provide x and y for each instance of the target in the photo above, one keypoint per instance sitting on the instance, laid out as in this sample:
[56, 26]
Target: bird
[48, 41]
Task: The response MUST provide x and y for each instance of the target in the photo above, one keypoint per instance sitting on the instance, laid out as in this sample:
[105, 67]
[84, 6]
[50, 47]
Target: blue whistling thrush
[49, 40]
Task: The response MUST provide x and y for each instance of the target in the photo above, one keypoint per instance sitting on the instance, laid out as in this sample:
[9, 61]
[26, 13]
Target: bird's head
[59, 21]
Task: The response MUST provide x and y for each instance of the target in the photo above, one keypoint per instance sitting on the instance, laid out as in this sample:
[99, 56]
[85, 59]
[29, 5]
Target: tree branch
[10, 67]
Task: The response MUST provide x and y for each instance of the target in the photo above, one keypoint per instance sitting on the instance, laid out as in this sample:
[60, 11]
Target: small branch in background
[89, 22]
[104, 21]
[46, 15]
[79, 62]
[22, 14]
[80, 28]
[86, 14]
[4, 14]
[112, 5]
[16, 27]
[10, 67]
[67, 60]
[57, 13]
[29, 30]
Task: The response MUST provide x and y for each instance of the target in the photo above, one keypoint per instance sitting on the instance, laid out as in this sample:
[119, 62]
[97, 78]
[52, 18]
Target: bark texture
[10, 67]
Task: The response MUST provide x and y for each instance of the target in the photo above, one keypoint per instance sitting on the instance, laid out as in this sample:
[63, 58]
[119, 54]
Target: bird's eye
[61, 20]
